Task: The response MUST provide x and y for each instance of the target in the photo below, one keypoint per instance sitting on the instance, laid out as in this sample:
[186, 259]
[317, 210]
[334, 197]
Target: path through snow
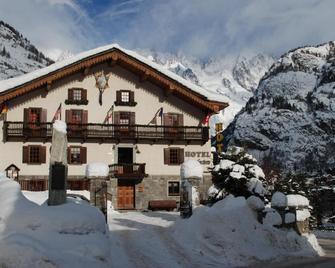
[143, 240]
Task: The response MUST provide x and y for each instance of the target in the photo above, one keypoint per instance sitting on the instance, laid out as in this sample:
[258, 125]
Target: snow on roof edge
[26, 78]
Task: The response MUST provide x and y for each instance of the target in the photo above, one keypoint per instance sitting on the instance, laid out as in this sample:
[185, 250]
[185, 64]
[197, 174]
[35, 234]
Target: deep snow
[225, 235]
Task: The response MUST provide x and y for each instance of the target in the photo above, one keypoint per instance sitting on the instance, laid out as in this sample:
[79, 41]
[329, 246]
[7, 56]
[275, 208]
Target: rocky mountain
[17, 54]
[232, 78]
[289, 123]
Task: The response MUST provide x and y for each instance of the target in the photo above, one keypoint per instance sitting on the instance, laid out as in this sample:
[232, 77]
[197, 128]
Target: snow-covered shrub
[237, 173]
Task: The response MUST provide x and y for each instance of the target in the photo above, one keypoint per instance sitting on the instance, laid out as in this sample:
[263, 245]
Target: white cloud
[199, 28]
[52, 25]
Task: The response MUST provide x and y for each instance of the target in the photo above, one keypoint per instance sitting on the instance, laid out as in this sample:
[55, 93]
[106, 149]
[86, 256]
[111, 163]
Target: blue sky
[198, 28]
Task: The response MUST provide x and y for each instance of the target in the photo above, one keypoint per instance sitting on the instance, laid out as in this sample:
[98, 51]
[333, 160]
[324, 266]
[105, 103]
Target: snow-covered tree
[237, 173]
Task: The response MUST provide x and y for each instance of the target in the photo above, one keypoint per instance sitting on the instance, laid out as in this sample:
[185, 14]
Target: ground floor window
[173, 188]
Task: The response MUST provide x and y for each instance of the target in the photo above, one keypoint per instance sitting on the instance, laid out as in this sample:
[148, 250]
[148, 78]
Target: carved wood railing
[106, 133]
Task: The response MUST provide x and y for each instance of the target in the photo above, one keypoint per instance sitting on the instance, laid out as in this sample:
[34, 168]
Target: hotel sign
[204, 158]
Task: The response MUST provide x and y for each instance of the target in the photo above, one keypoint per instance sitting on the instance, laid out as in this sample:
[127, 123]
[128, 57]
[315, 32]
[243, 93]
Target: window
[77, 96]
[76, 155]
[76, 117]
[125, 98]
[173, 156]
[173, 188]
[35, 115]
[34, 154]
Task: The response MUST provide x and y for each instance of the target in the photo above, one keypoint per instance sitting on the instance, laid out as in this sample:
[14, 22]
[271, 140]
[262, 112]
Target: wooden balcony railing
[127, 171]
[107, 133]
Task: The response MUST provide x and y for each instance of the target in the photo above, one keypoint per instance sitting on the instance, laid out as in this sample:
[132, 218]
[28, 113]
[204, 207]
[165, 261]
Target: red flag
[58, 114]
[206, 119]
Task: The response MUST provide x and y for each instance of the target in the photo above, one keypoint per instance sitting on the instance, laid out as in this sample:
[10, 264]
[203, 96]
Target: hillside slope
[17, 55]
[290, 121]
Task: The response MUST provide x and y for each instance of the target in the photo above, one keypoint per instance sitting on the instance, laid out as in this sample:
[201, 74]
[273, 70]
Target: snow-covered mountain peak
[17, 54]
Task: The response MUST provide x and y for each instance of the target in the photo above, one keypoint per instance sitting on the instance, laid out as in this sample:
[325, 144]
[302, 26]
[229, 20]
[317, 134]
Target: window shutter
[180, 155]
[26, 115]
[131, 97]
[43, 116]
[68, 116]
[84, 95]
[25, 156]
[132, 118]
[180, 119]
[118, 96]
[166, 156]
[70, 94]
[43, 151]
[83, 155]
[166, 119]
[84, 117]
[68, 155]
[116, 117]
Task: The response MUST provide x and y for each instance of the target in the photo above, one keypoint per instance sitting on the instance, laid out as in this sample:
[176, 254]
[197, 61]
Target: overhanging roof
[113, 54]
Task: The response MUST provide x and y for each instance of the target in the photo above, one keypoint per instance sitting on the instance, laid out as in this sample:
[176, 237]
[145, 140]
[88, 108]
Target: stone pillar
[98, 173]
[98, 194]
[58, 165]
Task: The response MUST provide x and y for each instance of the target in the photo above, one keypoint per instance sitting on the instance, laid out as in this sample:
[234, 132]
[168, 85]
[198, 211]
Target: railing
[130, 171]
[108, 133]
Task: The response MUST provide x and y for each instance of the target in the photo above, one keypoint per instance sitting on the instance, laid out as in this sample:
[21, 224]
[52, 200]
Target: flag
[206, 119]
[4, 109]
[109, 115]
[58, 114]
[158, 113]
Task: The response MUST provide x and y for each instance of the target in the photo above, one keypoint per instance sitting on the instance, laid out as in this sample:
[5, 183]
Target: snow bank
[69, 235]
[191, 169]
[296, 200]
[255, 203]
[60, 126]
[228, 234]
[289, 218]
[303, 215]
[97, 169]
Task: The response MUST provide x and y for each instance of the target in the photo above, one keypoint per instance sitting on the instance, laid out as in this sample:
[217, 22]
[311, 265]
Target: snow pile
[97, 169]
[297, 200]
[237, 173]
[69, 235]
[228, 234]
[59, 126]
[303, 215]
[289, 218]
[191, 169]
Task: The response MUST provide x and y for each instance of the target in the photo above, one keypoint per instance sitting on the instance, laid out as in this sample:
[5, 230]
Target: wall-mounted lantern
[12, 172]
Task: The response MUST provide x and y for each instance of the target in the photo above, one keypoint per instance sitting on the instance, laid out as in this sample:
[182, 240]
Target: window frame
[40, 154]
[173, 186]
[180, 156]
[71, 96]
[82, 155]
[131, 98]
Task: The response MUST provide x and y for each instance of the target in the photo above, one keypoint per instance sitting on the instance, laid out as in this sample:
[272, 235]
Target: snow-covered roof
[21, 80]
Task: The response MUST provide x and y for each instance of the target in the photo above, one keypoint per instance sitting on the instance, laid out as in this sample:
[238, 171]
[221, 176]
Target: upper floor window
[77, 96]
[34, 115]
[76, 116]
[125, 98]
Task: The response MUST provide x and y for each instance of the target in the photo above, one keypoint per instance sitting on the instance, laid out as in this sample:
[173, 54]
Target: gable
[113, 55]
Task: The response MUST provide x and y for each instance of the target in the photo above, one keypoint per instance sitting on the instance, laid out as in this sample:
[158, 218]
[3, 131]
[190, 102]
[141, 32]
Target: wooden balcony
[127, 171]
[107, 133]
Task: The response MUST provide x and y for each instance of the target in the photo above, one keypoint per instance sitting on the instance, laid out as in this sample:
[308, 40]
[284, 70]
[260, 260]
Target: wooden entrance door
[125, 195]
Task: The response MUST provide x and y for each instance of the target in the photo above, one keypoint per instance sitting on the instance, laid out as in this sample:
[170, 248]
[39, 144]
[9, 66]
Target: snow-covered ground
[225, 235]
[35, 235]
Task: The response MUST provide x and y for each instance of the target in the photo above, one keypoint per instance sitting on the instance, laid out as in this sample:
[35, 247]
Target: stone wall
[156, 188]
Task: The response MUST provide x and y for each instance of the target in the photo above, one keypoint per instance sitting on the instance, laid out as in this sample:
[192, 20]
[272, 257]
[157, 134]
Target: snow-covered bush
[237, 173]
